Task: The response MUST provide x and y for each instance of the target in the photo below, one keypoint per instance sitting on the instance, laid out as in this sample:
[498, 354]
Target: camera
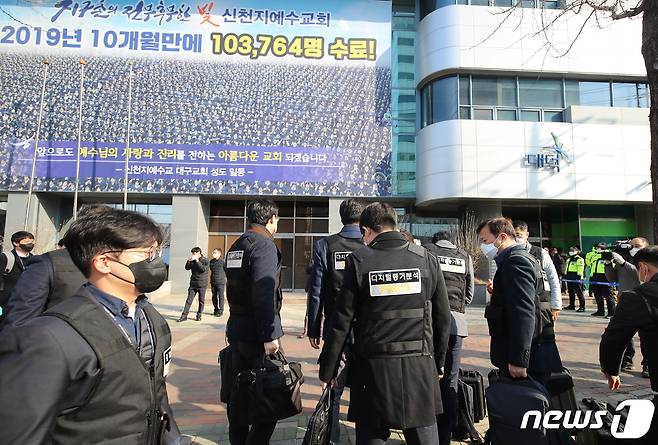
[606, 255]
[622, 247]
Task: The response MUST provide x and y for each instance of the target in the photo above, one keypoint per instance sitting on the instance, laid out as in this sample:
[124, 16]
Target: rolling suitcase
[475, 380]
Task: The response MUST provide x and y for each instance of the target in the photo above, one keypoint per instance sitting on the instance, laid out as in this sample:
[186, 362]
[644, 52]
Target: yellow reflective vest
[575, 265]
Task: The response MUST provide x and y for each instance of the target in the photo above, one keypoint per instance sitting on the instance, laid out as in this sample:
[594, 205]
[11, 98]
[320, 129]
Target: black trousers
[248, 355]
[218, 295]
[629, 354]
[603, 295]
[447, 421]
[425, 435]
[191, 293]
[576, 290]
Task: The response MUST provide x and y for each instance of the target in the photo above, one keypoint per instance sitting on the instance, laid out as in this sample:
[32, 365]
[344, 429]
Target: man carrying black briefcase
[253, 266]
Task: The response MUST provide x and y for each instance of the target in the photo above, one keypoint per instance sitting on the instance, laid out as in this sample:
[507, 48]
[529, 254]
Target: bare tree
[465, 235]
[602, 12]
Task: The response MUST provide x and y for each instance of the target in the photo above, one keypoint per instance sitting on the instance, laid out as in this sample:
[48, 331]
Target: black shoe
[580, 309]
[598, 314]
[570, 308]
[182, 318]
[198, 317]
[645, 372]
[627, 368]
[216, 313]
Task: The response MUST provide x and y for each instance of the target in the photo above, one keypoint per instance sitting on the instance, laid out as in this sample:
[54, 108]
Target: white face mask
[520, 241]
[634, 250]
[490, 250]
[573, 252]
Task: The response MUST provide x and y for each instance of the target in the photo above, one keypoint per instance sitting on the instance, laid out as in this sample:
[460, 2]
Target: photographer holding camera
[620, 269]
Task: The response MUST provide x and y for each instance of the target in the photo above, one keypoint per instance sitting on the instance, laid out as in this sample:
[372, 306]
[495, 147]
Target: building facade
[448, 110]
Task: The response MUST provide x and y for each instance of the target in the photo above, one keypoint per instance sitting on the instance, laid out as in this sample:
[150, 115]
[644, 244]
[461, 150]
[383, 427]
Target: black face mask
[27, 247]
[149, 275]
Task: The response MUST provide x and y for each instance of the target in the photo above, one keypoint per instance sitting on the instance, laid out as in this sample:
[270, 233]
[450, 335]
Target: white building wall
[465, 38]
[486, 159]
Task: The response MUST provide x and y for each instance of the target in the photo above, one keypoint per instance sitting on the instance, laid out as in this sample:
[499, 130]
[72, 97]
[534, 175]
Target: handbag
[318, 430]
[269, 393]
[226, 369]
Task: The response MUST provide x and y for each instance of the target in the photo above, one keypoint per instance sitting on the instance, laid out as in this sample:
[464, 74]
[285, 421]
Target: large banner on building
[239, 97]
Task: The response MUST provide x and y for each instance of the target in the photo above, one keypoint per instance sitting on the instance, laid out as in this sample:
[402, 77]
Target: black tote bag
[271, 392]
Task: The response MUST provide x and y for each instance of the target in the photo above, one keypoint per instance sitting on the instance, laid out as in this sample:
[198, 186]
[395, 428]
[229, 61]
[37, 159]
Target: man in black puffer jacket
[198, 264]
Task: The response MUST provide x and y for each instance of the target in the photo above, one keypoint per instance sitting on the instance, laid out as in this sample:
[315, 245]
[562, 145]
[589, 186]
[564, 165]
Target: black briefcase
[318, 430]
[508, 401]
[269, 393]
[475, 380]
[226, 373]
[561, 392]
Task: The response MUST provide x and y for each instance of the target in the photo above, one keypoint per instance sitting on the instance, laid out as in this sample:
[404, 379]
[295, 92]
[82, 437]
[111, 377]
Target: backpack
[11, 261]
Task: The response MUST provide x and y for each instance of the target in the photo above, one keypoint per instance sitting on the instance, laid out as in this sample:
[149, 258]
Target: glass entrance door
[285, 245]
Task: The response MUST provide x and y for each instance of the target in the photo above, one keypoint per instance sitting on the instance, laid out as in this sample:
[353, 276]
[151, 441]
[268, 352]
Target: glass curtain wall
[403, 96]
[301, 224]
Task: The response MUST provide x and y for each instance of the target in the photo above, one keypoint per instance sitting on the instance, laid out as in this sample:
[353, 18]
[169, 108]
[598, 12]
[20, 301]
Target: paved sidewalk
[193, 382]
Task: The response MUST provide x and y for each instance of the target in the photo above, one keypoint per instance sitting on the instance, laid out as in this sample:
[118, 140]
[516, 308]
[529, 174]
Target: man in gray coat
[623, 272]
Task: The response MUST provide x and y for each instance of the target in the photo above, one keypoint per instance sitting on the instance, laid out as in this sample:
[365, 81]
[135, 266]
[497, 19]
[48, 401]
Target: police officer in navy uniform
[253, 267]
[92, 369]
[326, 280]
[394, 297]
[457, 268]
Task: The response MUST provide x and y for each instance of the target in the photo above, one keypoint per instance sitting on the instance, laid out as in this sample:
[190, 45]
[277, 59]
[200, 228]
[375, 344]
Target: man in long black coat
[394, 297]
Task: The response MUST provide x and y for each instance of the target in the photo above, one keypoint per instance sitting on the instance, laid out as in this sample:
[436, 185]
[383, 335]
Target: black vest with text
[338, 249]
[239, 283]
[67, 278]
[454, 265]
[544, 325]
[128, 403]
[395, 316]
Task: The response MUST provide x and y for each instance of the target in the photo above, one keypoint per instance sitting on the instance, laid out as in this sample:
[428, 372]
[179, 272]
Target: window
[405, 76]
[643, 95]
[540, 92]
[483, 114]
[406, 99]
[494, 91]
[506, 115]
[405, 59]
[425, 106]
[626, 95]
[553, 116]
[428, 6]
[530, 115]
[521, 98]
[464, 90]
[405, 41]
[593, 94]
[444, 99]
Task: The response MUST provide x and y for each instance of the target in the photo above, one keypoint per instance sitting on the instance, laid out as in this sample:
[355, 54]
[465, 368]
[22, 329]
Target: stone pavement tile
[193, 381]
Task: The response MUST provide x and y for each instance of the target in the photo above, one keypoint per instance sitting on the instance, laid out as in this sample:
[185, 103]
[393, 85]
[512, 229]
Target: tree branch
[628, 14]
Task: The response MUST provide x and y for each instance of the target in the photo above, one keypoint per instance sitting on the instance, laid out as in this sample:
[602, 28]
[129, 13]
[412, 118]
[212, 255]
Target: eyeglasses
[153, 252]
